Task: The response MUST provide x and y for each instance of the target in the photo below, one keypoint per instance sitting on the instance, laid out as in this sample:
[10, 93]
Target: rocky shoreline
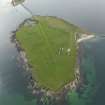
[41, 92]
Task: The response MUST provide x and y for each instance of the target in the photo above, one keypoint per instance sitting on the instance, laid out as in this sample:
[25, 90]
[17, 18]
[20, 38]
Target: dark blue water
[98, 51]
[88, 14]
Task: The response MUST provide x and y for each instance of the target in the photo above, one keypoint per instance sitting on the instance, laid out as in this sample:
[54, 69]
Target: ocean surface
[88, 14]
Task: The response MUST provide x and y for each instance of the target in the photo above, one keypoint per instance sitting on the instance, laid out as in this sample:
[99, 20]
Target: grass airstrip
[51, 50]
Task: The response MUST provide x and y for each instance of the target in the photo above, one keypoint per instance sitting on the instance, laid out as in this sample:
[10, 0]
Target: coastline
[33, 84]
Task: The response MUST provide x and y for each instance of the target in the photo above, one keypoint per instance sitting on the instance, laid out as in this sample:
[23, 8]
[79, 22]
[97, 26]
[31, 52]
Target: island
[49, 50]
[16, 2]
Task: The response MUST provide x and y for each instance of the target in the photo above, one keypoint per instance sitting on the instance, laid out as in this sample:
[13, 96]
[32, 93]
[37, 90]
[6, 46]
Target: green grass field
[52, 67]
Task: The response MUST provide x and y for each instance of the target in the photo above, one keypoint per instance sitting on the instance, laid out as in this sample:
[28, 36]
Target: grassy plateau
[51, 50]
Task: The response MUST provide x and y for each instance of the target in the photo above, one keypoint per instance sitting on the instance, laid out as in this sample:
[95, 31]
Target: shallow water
[85, 13]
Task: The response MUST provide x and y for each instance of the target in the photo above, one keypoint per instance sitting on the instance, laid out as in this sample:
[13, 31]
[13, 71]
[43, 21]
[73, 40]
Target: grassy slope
[42, 43]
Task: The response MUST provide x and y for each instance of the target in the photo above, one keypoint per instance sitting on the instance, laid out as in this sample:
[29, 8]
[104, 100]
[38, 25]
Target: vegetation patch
[51, 49]
[16, 2]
